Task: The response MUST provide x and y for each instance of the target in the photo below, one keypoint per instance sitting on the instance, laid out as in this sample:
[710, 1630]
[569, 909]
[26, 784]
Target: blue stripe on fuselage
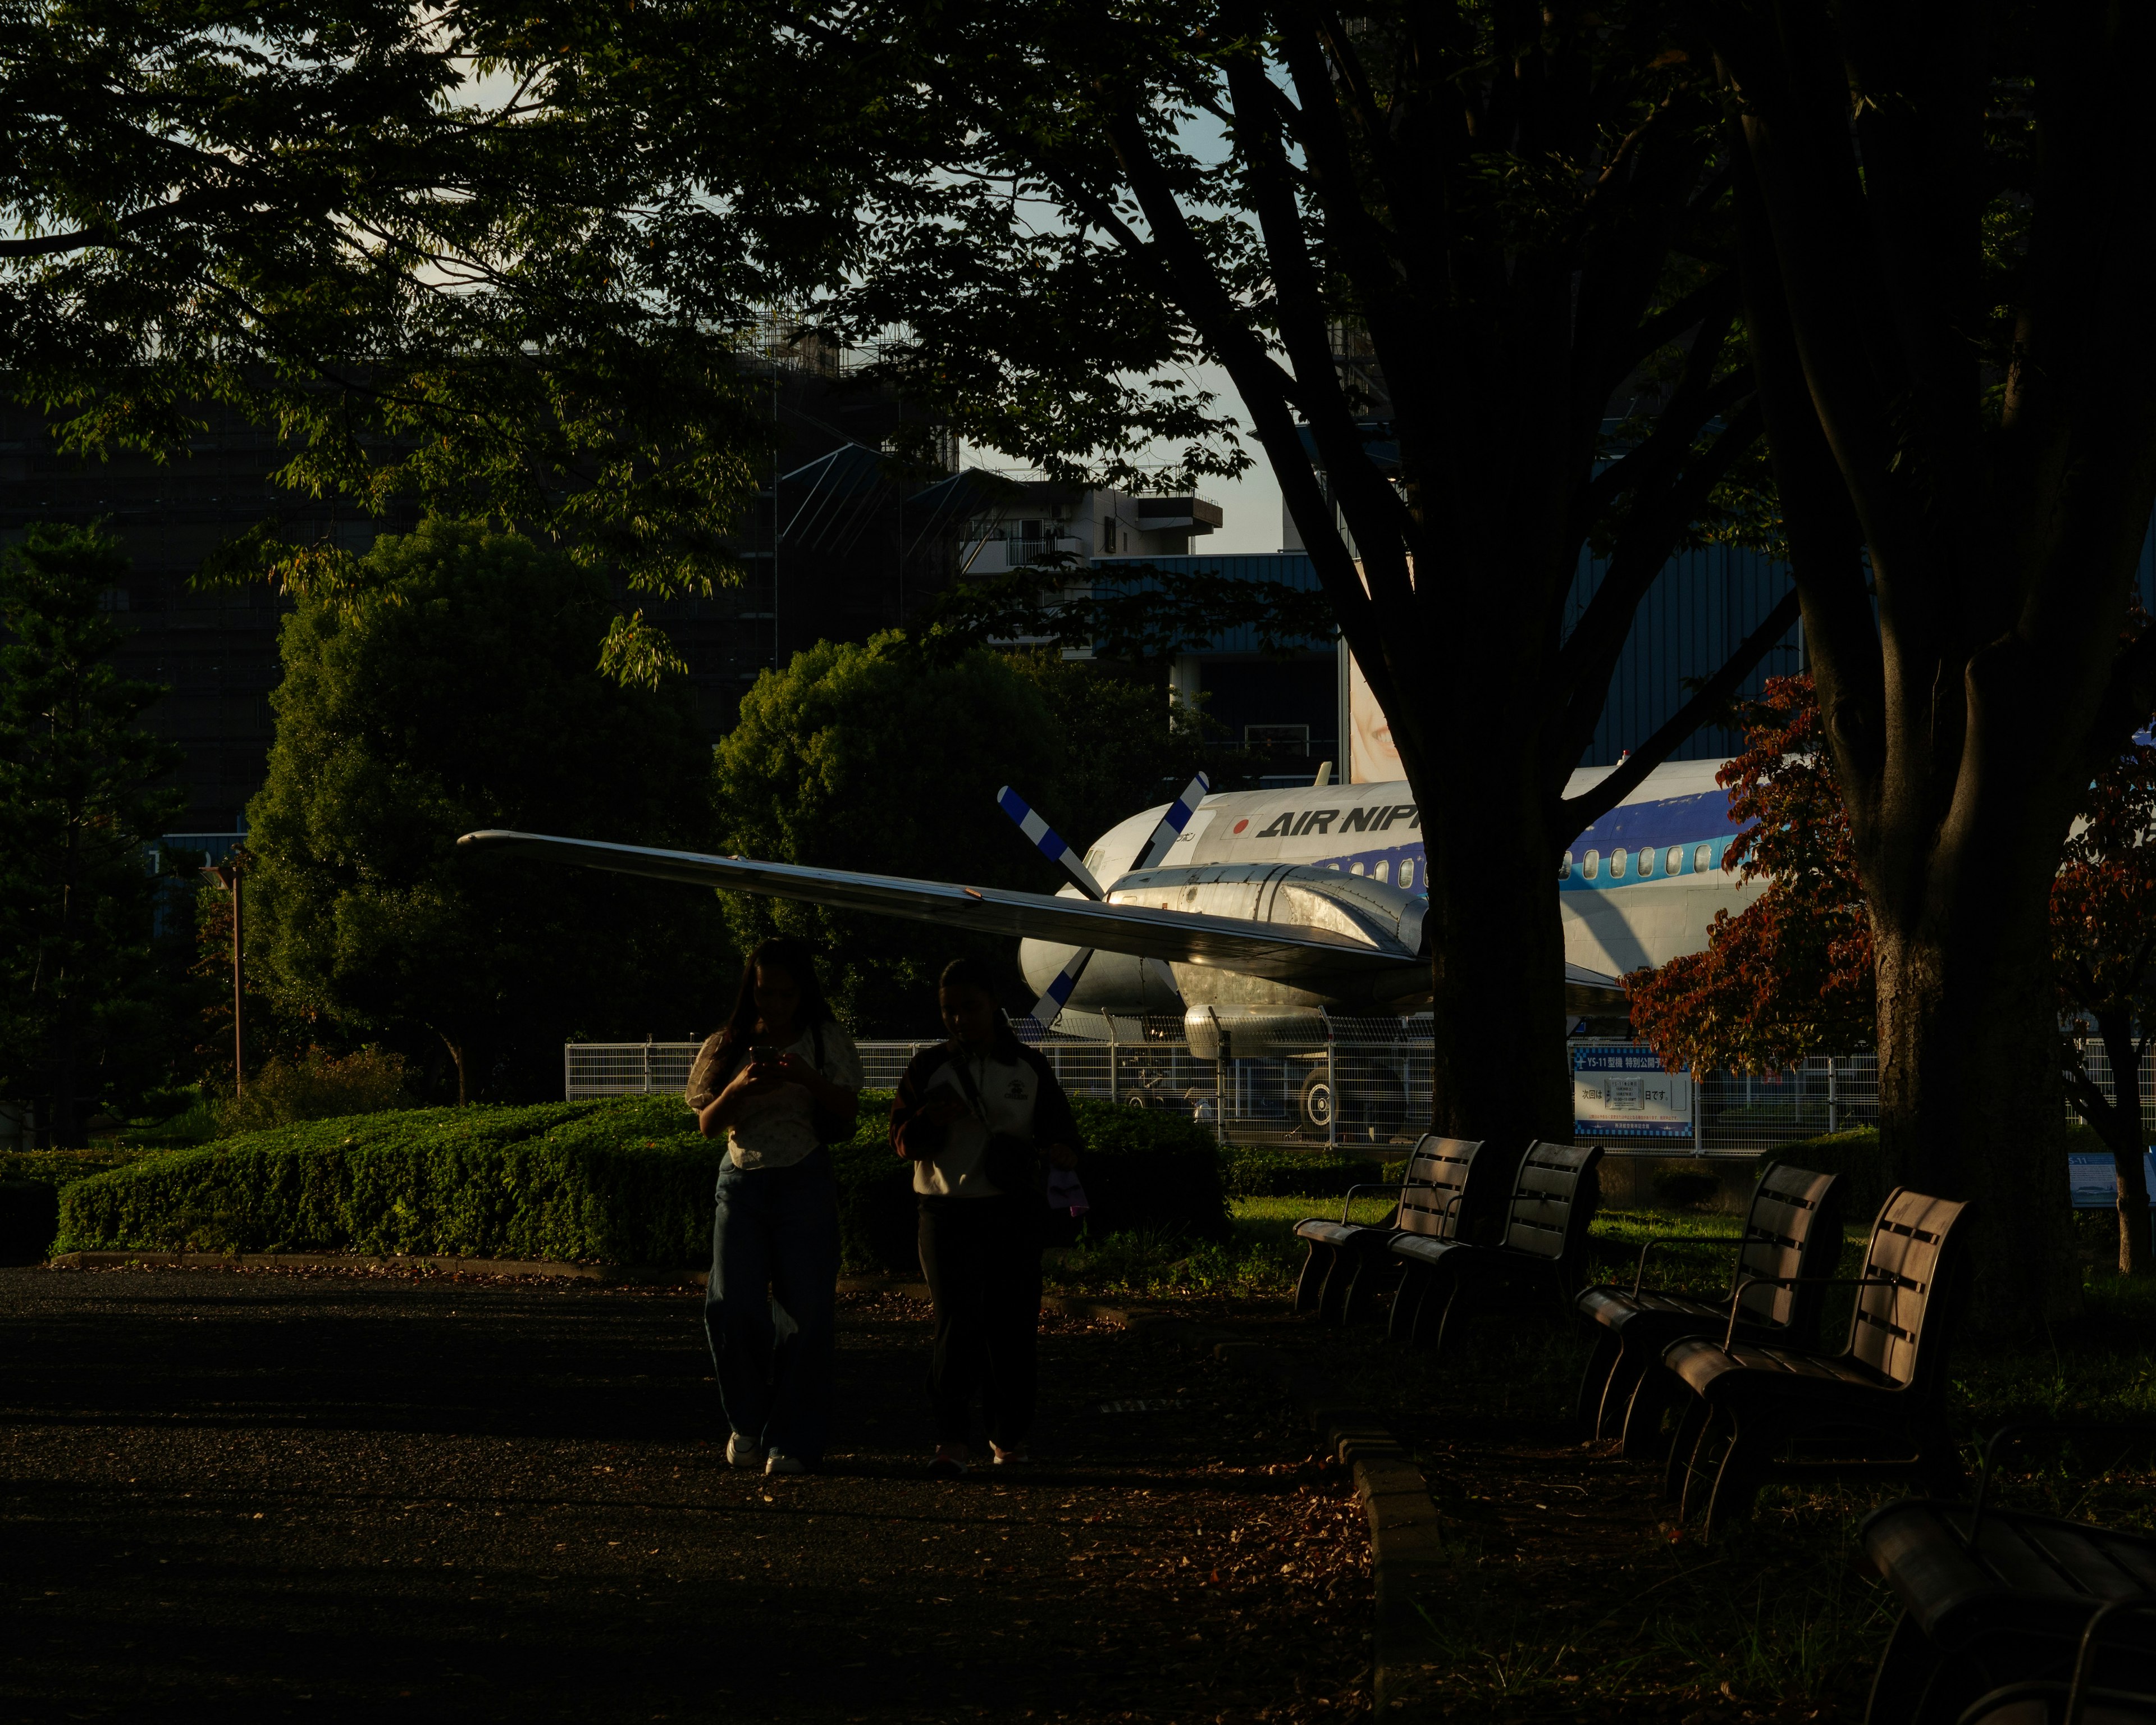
[1684, 822]
[1673, 820]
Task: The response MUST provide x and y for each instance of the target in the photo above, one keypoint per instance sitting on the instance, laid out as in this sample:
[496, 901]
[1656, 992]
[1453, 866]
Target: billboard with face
[1372, 759]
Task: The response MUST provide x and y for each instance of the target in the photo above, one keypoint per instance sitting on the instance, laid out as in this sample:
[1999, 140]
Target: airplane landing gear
[1316, 1103]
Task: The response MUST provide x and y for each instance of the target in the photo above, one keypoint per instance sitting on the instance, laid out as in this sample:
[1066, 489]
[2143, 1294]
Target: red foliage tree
[2103, 944]
[1790, 975]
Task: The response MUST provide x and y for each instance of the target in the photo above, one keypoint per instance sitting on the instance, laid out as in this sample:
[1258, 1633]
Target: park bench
[1793, 1228]
[1760, 1412]
[1996, 1599]
[1344, 1258]
[2080, 1700]
[1543, 1249]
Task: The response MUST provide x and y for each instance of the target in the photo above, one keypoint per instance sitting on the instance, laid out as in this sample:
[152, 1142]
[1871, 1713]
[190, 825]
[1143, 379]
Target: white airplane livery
[1260, 906]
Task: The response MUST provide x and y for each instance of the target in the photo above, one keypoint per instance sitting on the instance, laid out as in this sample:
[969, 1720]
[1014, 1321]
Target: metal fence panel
[2097, 1065]
[1367, 1082]
[1734, 1112]
[626, 1069]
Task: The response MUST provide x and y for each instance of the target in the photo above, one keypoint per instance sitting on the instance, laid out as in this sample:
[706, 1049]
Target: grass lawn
[1261, 1258]
[1570, 1593]
[1258, 1262]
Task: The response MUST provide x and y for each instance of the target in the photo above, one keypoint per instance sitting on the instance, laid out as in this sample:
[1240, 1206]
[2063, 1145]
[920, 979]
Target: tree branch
[1305, 332]
[1676, 429]
[1644, 550]
[2126, 703]
[188, 205]
[1583, 811]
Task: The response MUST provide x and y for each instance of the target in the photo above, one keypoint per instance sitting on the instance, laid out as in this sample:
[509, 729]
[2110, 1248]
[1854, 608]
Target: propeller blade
[1051, 844]
[1049, 1007]
[1173, 823]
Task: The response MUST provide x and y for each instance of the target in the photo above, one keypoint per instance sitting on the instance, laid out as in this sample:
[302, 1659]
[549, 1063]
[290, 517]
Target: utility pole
[226, 876]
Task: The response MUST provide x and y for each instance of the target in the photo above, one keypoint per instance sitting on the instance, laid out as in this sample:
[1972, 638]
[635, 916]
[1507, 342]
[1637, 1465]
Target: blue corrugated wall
[1699, 608]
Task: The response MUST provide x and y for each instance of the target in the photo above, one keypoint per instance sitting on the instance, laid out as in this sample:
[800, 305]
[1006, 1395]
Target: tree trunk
[1496, 939]
[1971, 1105]
[2119, 1126]
[456, 1057]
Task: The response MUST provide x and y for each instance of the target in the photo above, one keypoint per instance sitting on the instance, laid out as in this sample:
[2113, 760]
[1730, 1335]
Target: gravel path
[274, 1495]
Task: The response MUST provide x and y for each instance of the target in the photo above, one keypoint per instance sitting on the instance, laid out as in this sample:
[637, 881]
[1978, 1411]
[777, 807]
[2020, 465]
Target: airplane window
[1647, 862]
[1702, 859]
[1616, 865]
[1564, 868]
[1357, 870]
[1594, 865]
[1673, 864]
[1383, 871]
[1407, 873]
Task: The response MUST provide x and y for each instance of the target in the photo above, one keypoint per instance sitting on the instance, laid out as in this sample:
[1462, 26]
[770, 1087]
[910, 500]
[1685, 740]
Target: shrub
[1686, 1189]
[199, 1125]
[1248, 1172]
[1143, 1171]
[619, 1181]
[316, 1087]
[1855, 1155]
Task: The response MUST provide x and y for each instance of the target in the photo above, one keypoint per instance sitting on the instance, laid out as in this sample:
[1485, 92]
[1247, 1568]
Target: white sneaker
[743, 1451]
[781, 1463]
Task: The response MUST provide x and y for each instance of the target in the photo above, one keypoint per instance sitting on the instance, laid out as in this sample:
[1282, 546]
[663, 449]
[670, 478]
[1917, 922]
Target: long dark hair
[797, 959]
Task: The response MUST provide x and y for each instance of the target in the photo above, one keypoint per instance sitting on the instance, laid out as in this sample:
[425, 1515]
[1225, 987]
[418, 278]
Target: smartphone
[763, 1055]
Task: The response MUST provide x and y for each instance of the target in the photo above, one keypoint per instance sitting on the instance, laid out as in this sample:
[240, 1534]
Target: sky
[1251, 505]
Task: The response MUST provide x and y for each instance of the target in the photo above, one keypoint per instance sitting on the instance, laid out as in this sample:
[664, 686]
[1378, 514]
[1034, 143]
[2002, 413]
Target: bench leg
[1653, 1395]
[1447, 1318]
[1625, 1376]
[1677, 1466]
[1908, 1671]
[1310, 1286]
[1339, 1276]
[1703, 1466]
[1591, 1409]
[1362, 1287]
[1407, 1302]
[1737, 1481]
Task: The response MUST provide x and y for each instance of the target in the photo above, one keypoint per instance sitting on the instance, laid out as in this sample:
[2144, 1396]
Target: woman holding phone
[977, 1116]
[780, 1081]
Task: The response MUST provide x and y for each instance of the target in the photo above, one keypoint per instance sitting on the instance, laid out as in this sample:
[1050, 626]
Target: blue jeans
[775, 1236]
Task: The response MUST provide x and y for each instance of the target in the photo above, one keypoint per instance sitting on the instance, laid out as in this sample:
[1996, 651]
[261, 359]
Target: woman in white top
[781, 1080]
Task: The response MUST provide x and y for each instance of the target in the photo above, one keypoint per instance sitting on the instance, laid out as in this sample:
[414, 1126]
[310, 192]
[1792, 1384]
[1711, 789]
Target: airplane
[1250, 911]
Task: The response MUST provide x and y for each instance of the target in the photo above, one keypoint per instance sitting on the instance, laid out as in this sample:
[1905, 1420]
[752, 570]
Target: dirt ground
[265, 1494]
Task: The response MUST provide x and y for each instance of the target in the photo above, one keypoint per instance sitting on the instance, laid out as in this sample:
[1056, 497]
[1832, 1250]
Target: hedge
[1855, 1155]
[624, 1181]
[1252, 1171]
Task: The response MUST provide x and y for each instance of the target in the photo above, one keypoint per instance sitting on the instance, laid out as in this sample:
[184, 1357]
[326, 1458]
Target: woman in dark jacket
[975, 1116]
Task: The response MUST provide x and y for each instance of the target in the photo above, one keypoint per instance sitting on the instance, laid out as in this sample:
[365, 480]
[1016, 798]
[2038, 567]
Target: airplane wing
[1280, 951]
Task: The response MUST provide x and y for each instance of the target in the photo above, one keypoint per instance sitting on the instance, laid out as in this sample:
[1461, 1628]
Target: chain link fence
[1339, 1082]
[1368, 1082]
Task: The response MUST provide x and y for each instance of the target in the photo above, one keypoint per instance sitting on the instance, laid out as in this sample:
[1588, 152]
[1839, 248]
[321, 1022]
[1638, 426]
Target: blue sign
[1619, 1091]
[2093, 1179]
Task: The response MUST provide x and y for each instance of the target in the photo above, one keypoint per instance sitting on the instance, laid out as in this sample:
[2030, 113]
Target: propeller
[1052, 845]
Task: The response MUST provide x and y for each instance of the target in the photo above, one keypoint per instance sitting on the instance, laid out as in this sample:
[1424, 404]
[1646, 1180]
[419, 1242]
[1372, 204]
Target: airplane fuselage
[1638, 887]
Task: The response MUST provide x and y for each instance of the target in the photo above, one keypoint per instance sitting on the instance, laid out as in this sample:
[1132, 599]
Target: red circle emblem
[1240, 824]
